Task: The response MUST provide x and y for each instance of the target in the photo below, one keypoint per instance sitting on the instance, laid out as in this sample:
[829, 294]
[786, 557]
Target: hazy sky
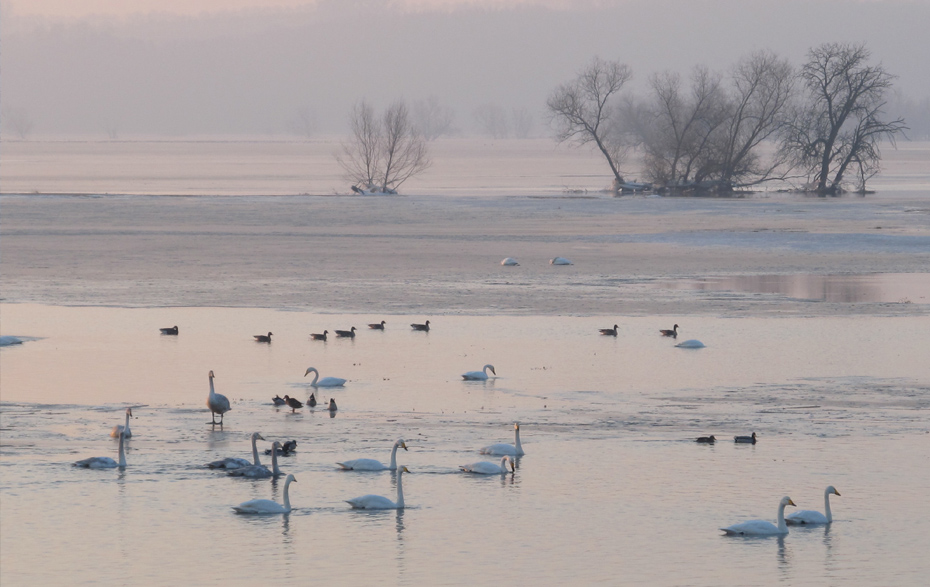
[179, 67]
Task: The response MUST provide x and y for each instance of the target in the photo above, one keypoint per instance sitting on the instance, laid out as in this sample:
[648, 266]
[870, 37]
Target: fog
[251, 71]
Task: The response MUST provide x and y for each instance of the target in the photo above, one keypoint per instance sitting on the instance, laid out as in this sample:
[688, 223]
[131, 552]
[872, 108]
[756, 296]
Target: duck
[690, 344]
[217, 402]
[262, 337]
[332, 405]
[559, 261]
[609, 331]
[762, 527]
[745, 439]
[377, 502]
[514, 450]
[260, 471]
[312, 401]
[706, 439]
[322, 336]
[105, 462]
[509, 262]
[346, 333]
[479, 375]
[373, 464]
[123, 428]
[324, 382]
[171, 331]
[673, 332]
[293, 403]
[278, 400]
[267, 506]
[423, 327]
[488, 468]
[813, 517]
[237, 463]
[379, 326]
[286, 449]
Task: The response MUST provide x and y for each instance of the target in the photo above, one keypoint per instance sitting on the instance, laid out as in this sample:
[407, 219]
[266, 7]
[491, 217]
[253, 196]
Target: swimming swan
[486, 468]
[237, 463]
[377, 502]
[217, 402]
[372, 464]
[690, 344]
[811, 517]
[479, 375]
[267, 506]
[105, 462]
[260, 471]
[559, 261]
[514, 450]
[123, 428]
[509, 262]
[326, 381]
[762, 527]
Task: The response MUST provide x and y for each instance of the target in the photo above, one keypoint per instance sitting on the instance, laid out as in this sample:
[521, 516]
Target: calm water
[611, 490]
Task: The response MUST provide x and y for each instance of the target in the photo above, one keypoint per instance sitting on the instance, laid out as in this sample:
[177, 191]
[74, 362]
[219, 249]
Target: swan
[762, 527]
[814, 517]
[377, 326]
[745, 439]
[262, 337]
[706, 439]
[319, 336]
[509, 262]
[123, 429]
[237, 463]
[514, 450]
[293, 403]
[559, 261]
[609, 331]
[105, 462]
[690, 344]
[312, 401]
[377, 502]
[346, 333]
[7, 340]
[673, 332]
[172, 330]
[267, 506]
[332, 405]
[479, 375]
[217, 402]
[326, 381]
[372, 464]
[486, 468]
[423, 327]
[260, 471]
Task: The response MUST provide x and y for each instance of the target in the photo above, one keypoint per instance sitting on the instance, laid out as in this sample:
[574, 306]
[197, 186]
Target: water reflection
[784, 559]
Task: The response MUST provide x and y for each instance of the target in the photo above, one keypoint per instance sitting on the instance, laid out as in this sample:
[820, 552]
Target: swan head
[129, 412]
[786, 501]
[403, 470]
[257, 436]
[507, 460]
[401, 443]
[290, 478]
[211, 375]
[516, 425]
[833, 490]
[491, 367]
[311, 369]
[275, 446]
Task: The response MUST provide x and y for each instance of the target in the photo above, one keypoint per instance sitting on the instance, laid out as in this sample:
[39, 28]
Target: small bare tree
[522, 122]
[493, 120]
[18, 121]
[304, 122]
[584, 112]
[432, 119]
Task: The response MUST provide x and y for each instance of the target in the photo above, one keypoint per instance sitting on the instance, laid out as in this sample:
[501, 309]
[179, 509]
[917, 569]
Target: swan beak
[130, 412]
[404, 446]
[493, 371]
[791, 503]
[406, 470]
[836, 493]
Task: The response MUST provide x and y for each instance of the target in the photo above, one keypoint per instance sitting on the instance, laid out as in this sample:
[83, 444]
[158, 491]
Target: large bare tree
[584, 110]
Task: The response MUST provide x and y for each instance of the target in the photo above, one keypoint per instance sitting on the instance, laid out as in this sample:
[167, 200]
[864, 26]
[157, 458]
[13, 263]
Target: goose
[745, 439]
[372, 464]
[377, 326]
[514, 450]
[105, 462]
[423, 327]
[706, 439]
[479, 375]
[326, 381]
[509, 262]
[217, 402]
[260, 471]
[123, 429]
[173, 330]
[487, 468]
[262, 337]
[811, 517]
[559, 261]
[319, 336]
[346, 333]
[312, 401]
[690, 344]
[332, 405]
[286, 449]
[237, 463]
[762, 527]
[377, 502]
[609, 331]
[267, 506]
[293, 403]
[673, 332]
[278, 400]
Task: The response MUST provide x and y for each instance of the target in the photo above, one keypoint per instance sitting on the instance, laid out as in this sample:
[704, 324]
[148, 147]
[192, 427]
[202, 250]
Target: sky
[201, 67]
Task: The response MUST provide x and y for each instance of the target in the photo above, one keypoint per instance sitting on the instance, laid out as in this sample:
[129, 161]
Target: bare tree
[493, 120]
[584, 110]
[432, 119]
[19, 121]
[840, 124]
[304, 122]
[522, 122]
[360, 155]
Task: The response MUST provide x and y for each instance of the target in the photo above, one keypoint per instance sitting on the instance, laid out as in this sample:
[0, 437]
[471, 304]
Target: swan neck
[126, 427]
[122, 451]
[212, 391]
[316, 377]
[274, 462]
[400, 489]
[255, 460]
[287, 496]
[782, 526]
[826, 507]
[516, 441]
[394, 457]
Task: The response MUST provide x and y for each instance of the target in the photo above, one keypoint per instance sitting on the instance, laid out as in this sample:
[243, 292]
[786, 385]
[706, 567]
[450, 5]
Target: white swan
[559, 261]
[762, 527]
[326, 381]
[487, 468]
[809, 517]
[690, 344]
[105, 462]
[514, 450]
[10, 340]
[372, 464]
[377, 502]
[217, 402]
[260, 471]
[267, 506]
[479, 375]
[121, 428]
[509, 262]
[237, 463]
